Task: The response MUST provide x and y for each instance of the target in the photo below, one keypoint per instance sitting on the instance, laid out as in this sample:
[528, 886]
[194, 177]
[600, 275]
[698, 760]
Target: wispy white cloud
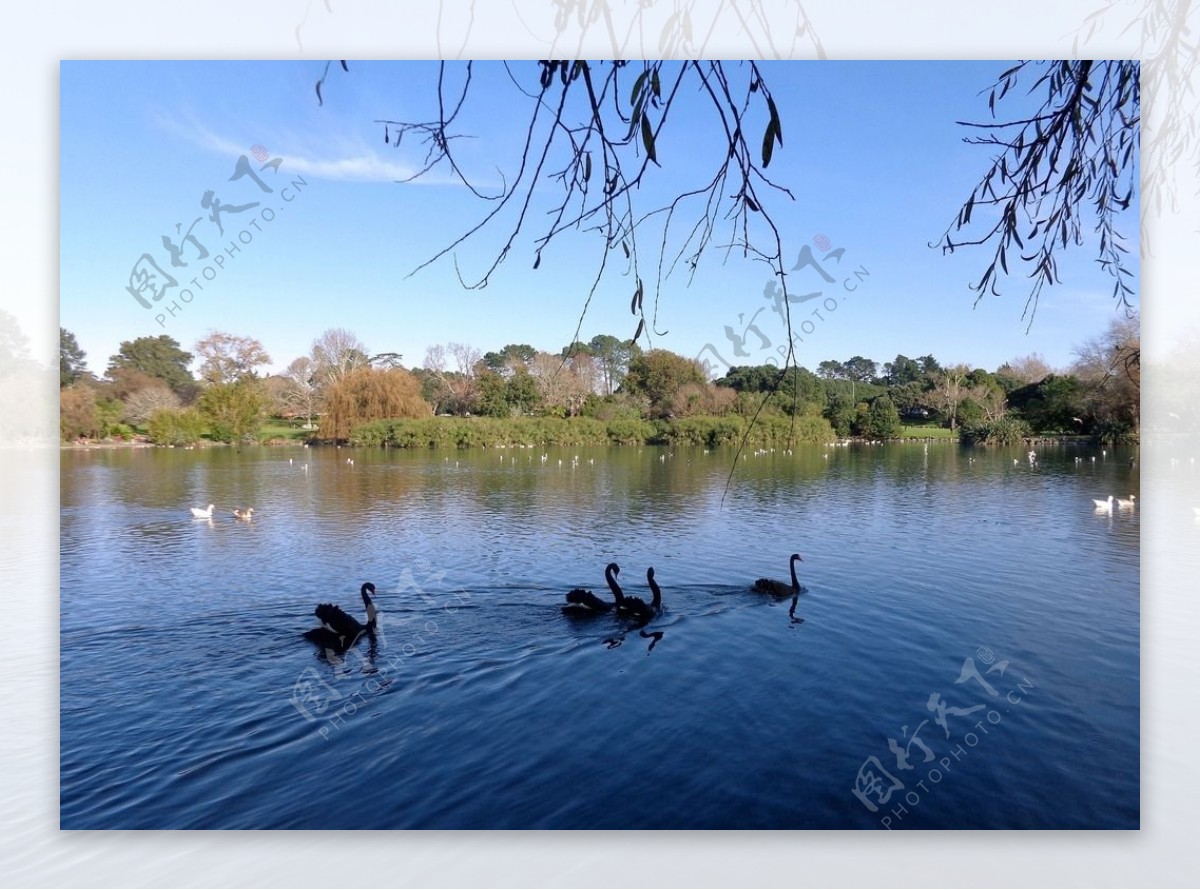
[355, 163]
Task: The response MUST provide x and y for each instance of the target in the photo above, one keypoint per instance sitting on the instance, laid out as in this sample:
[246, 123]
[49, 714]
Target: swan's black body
[638, 609]
[338, 630]
[584, 602]
[779, 588]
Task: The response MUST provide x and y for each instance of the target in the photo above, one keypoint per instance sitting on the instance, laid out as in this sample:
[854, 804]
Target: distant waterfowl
[338, 630]
[584, 602]
[638, 609]
[1126, 503]
[781, 588]
[197, 513]
[243, 514]
[1104, 506]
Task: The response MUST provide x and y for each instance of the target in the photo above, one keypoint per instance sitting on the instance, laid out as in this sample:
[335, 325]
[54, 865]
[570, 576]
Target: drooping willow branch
[1080, 149]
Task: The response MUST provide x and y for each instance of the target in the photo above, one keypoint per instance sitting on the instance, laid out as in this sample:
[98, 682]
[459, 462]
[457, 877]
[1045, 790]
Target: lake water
[189, 698]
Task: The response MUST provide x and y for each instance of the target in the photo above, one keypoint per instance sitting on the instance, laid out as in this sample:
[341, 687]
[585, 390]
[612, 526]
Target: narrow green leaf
[637, 88]
[587, 166]
[638, 332]
[768, 145]
[648, 139]
[752, 204]
[775, 119]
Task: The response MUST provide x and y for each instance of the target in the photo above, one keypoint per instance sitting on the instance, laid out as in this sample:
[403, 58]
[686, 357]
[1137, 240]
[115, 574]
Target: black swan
[338, 630]
[584, 602]
[639, 609]
[779, 588]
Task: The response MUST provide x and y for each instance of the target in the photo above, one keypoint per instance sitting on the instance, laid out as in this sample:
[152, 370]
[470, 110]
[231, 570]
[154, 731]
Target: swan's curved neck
[612, 584]
[656, 602]
[795, 580]
[370, 607]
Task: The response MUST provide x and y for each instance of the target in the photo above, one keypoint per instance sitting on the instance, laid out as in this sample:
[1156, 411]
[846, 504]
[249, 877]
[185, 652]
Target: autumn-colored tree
[76, 412]
[367, 394]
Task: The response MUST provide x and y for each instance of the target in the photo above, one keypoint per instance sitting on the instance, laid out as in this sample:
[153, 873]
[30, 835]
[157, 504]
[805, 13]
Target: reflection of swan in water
[638, 609]
[584, 602]
[780, 588]
[653, 636]
[197, 513]
[792, 610]
[339, 631]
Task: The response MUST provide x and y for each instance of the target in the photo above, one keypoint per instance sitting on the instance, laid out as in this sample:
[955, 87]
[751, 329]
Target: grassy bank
[926, 431]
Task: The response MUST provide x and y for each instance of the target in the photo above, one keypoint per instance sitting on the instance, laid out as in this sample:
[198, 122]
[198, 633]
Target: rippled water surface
[189, 698]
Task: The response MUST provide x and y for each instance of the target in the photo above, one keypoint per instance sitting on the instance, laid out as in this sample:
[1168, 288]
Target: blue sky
[871, 153]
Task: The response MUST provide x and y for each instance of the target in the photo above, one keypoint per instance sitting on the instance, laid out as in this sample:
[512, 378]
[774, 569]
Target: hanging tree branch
[1081, 148]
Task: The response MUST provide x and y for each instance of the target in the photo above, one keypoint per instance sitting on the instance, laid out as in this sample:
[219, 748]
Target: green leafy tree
[510, 358]
[160, 357]
[860, 370]
[71, 365]
[234, 411]
[492, 398]
[658, 375]
[902, 370]
[929, 365]
[1053, 405]
[841, 413]
[882, 419]
[831, 370]
[176, 427]
[612, 357]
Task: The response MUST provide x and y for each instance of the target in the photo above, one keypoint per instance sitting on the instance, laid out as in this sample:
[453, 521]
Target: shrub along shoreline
[771, 431]
[491, 432]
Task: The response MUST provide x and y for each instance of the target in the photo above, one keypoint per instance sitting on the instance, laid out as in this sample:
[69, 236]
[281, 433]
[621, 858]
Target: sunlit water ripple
[183, 671]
